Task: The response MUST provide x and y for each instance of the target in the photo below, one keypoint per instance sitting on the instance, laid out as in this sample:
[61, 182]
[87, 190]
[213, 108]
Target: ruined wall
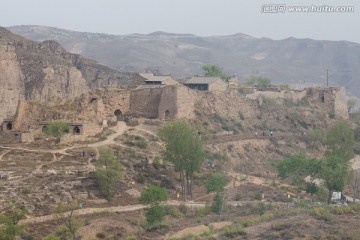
[277, 94]
[116, 99]
[229, 103]
[330, 99]
[168, 106]
[185, 101]
[218, 85]
[11, 82]
[87, 130]
[340, 103]
[145, 102]
[100, 104]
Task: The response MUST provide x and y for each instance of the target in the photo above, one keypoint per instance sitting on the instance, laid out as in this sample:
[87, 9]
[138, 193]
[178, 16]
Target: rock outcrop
[44, 71]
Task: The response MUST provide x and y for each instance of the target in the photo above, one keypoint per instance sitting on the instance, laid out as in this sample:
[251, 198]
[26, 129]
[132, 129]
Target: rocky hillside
[297, 61]
[43, 71]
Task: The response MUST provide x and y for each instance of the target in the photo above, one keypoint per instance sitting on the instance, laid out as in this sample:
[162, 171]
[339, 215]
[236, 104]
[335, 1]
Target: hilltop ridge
[290, 60]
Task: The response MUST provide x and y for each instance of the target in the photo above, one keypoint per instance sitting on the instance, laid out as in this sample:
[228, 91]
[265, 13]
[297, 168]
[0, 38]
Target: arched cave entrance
[76, 130]
[119, 115]
[322, 98]
[167, 114]
[9, 126]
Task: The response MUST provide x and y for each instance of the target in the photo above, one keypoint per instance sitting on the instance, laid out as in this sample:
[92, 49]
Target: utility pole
[327, 77]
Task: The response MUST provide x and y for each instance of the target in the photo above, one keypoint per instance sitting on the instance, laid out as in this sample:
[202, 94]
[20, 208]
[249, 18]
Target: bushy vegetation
[228, 125]
[108, 172]
[57, 129]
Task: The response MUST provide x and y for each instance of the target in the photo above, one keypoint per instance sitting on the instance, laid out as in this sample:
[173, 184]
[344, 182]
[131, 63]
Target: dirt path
[1, 156]
[119, 129]
[127, 208]
[197, 230]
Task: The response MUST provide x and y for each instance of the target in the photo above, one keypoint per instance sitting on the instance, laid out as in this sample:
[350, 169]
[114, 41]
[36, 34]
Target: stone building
[149, 78]
[206, 83]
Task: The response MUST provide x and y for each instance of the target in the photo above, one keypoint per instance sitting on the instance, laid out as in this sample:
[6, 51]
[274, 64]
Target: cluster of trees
[9, 221]
[215, 71]
[183, 148]
[333, 169]
[258, 81]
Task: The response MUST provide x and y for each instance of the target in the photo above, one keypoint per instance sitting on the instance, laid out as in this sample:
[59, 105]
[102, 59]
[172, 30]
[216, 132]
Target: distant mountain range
[291, 61]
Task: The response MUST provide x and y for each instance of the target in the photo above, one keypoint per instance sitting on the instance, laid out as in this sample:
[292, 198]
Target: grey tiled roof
[146, 86]
[201, 80]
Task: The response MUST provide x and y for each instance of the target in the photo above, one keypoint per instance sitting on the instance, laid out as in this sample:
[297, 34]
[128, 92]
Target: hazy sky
[200, 17]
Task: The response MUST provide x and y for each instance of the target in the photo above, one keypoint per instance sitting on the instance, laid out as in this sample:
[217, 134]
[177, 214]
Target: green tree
[332, 170]
[316, 136]
[155, 214]
[263, 82]
[215, 71]
[216, 184]
[65, 212]
[108, 172]
[184, 149]
[340, 141]
[334, 173]
[297, 167]
[351, 104]
[9, 221]
[153, 195]
[57, 129]
[258, 81]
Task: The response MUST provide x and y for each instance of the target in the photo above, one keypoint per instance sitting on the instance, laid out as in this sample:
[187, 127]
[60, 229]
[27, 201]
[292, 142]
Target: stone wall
[331, 99]
[340, 103]
[145, 102]
[87, 130]
[277, 93]
[230, 103]
[168, 106]
[185, 101]
[218, 85]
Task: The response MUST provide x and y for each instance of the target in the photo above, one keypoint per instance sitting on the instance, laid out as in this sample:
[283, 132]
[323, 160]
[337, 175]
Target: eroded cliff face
[45, 72]
[11, 82]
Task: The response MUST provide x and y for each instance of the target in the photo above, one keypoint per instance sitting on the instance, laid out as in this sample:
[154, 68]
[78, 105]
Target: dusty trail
[119, 130]
[1, 156]
[127, 208]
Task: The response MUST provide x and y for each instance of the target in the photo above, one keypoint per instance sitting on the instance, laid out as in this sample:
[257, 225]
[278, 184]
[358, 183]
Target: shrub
[141, 144]
[153, 194]
[172, 211]
[183, 208]
[258, 196]
[233, 231]
[217, 204]
[321, 213]
[154, 214]
[203, 211]
[156, 163]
